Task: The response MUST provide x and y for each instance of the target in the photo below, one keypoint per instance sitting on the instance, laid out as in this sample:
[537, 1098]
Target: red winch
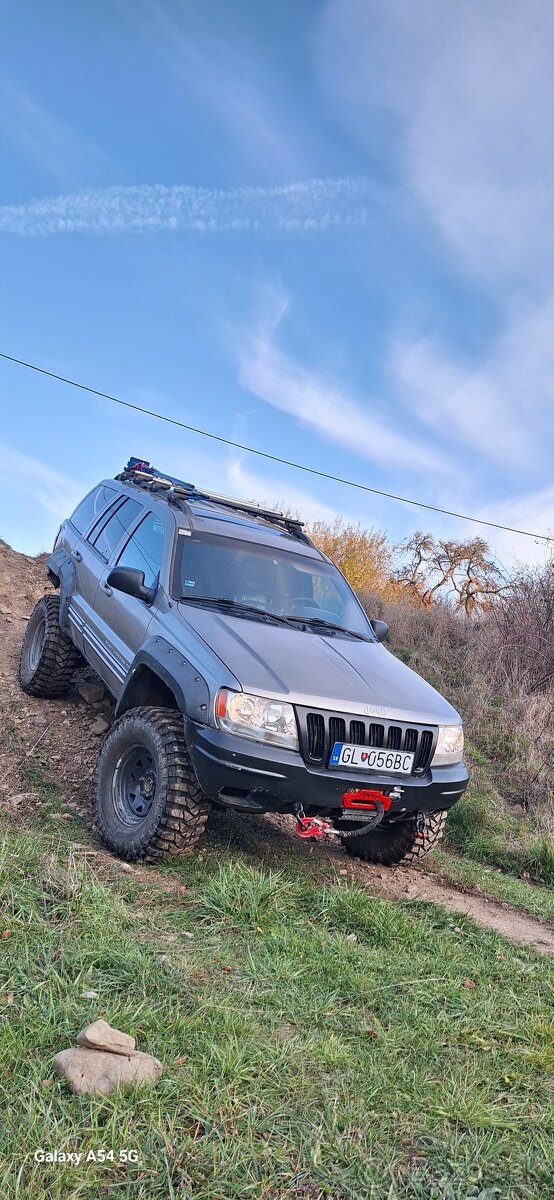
[362, 799]
[366, 798]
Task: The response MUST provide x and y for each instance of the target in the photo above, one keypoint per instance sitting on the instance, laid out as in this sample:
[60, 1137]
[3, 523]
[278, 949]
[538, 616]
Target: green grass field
[317, 1042]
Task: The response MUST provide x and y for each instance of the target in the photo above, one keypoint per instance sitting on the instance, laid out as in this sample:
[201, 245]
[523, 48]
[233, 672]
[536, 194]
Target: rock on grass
[99, 1072]
[101, 1036]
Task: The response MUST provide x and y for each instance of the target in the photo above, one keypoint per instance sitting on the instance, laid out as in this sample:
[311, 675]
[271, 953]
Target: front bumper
[257, 777]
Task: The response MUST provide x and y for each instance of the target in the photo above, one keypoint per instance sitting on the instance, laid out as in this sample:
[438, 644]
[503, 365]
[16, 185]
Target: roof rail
[141, 473]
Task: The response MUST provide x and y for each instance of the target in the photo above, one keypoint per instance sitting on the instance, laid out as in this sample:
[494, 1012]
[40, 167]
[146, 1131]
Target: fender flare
[180, 676]
[60, 569]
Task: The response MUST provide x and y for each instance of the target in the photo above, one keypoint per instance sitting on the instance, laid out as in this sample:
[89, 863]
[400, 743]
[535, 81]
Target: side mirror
[131, 581]
[380, 629]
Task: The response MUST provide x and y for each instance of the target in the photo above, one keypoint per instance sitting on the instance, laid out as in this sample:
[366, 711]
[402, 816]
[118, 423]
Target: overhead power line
[286, 462]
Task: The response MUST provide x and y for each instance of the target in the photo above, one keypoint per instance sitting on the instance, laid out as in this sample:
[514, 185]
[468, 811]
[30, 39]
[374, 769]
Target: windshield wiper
[238, 607]
[314, 621]
[291, 620]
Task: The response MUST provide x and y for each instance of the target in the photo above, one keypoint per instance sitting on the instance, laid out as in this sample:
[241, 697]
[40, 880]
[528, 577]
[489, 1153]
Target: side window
[144, 549]
[91, 507]
[110, 534]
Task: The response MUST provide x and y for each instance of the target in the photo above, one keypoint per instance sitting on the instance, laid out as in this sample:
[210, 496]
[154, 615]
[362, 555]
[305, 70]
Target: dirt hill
[45, 746]
[48, 750]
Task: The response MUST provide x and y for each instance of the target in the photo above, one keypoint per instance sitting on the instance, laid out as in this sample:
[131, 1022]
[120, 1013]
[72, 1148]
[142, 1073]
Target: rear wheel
[397, 843]
[48, 657]
[147, 800]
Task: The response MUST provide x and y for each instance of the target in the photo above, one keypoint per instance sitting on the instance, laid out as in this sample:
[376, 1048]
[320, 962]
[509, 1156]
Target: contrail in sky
[296, 208]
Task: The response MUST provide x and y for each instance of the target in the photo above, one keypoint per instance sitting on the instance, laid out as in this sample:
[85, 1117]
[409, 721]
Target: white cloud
[459, 101]
[56, 493]
[467, 91]
[533, 511]
[224, 71]
[325, 405]
[44, 139]
[296, 208]
[276, 493]
[503, 408]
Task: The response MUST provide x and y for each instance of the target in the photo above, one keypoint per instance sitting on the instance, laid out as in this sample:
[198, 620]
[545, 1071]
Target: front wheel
[397, 843]
[147, 800]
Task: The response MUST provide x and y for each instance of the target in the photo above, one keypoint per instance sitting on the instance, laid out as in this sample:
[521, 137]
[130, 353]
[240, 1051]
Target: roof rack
[141, 473]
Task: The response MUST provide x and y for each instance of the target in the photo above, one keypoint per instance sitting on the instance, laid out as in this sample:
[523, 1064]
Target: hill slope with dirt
[48, 750]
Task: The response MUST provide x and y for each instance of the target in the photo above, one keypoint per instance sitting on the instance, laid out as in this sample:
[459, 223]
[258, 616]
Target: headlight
[450, 746]
[257, 717]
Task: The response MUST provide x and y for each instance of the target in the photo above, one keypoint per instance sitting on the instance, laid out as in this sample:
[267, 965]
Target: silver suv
[246, 675]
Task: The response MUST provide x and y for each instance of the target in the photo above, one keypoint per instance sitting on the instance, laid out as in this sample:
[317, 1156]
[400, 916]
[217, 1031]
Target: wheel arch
[162, 678]
[60, 570]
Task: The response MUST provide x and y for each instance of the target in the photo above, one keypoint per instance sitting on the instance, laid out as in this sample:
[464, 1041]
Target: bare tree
[443, 566]
[525, 629]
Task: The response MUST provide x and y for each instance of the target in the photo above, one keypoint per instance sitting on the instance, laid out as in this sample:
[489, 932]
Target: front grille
[315, 740]
[357, 733]
[320, 730]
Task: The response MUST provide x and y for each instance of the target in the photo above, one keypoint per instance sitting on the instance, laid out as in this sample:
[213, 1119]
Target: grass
[318, 1043]
[489, 881]
[481, 828]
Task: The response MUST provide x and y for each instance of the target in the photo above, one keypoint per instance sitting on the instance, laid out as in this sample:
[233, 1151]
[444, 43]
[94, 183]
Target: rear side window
[144, 549]
[111, 532]
[92, 506]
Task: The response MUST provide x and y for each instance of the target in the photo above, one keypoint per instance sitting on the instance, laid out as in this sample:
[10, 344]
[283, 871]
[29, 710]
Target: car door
[122, 621]
[96, 550]
[82, 525]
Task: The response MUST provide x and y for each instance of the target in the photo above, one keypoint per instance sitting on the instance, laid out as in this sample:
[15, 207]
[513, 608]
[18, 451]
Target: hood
[319, 671]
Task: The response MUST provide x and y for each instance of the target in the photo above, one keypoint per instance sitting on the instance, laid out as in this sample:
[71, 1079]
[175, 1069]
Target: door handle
[106, 589]
[77, 556]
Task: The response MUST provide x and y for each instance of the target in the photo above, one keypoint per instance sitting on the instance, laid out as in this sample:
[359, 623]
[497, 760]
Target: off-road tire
[179, 809]
[48, 657]
[397, 843]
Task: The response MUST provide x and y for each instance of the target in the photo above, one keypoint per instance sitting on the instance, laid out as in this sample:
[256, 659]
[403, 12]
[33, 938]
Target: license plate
[395, 762]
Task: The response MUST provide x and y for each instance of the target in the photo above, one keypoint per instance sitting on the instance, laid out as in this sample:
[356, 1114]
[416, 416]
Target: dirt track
[63, 729]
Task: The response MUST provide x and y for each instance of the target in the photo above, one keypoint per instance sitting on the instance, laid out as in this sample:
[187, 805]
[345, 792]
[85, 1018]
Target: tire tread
[186, 809]
[59, 657]
[403, 847]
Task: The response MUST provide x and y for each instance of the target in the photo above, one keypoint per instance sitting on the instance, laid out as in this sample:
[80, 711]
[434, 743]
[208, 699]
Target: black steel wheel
[134, 785]
[146, 796]
[48, 657]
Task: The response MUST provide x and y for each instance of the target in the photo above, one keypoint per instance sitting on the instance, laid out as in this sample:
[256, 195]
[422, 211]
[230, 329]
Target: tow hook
[420, 825]
[316, 827]
[309, 827]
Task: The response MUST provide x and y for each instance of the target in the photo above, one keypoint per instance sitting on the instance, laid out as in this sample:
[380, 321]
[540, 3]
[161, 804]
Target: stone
[14, 801]
[93, 693]
[101, 1036]
[99, 726]
[98, 1072]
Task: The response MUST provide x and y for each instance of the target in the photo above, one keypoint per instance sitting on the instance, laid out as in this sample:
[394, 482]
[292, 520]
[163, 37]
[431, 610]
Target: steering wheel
[303, 602]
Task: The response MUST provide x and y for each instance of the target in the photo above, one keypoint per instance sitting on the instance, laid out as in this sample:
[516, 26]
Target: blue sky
[320, 228]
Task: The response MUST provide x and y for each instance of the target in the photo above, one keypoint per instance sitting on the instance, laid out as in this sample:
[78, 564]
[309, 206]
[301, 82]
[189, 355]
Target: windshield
[265, 578]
